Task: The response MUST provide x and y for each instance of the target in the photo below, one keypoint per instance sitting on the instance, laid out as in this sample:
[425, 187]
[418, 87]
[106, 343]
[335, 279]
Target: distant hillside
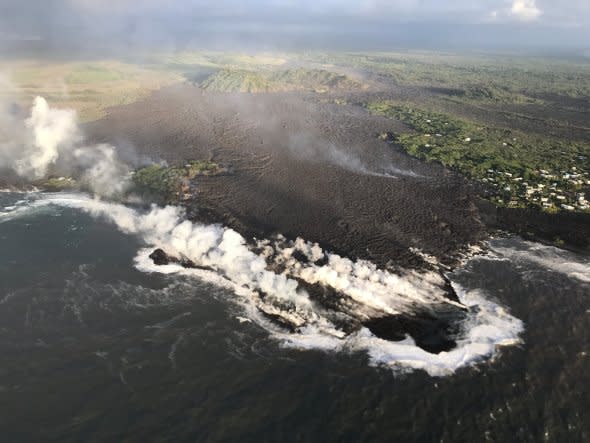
[241, 80]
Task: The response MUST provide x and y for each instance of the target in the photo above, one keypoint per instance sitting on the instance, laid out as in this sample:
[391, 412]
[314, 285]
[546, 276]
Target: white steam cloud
[306, 147]
[52, 130]
[266, 291]
[102, 169]
[50, 142]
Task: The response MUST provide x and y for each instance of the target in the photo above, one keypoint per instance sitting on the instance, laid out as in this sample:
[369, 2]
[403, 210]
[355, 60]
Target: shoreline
[568, 231]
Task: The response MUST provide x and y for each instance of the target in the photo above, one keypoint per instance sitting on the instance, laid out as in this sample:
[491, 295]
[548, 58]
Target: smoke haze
[92, 27]
[367, 290]
[50, 143]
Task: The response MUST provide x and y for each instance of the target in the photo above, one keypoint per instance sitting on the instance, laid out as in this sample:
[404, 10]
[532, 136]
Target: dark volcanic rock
[160, 258]
[303, 168]
[432, 333]
[573, 229]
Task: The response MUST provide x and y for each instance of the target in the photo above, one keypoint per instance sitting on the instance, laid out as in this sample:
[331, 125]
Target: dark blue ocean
[95, 350]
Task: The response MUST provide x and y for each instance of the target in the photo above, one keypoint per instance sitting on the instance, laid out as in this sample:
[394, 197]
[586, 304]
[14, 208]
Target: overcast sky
[285, 24]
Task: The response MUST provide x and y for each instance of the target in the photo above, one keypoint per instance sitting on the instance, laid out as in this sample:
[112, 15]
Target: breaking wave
[312, 299]
[545, 257]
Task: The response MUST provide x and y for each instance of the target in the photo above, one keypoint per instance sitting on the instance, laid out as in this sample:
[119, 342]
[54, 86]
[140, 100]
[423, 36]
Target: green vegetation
[90, 88]
[519, 168]
[164, 183]
[172, 183]
[57, 184]
[245, 60]
[476, 77]
[241, 80]
[522, 170]
[229, 80]
[93, 74]
[188, 59]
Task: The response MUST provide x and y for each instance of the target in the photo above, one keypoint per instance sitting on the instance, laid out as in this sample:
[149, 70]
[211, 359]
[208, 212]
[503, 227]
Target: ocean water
[97, 345]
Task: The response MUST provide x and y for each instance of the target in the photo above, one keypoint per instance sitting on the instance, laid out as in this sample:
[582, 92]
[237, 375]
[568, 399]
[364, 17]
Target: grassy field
[89, 87]
[475, 77]
[241, 80]
[92, 87]
[189, 59]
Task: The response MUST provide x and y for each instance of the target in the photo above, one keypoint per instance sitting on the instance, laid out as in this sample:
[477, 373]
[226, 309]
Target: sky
[103, 25]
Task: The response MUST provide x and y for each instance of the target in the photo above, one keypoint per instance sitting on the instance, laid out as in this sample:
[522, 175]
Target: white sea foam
[16, 210]
[488, 327]
[263, 293]
[543, 256]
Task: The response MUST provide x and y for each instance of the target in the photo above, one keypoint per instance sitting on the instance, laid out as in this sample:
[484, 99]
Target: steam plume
[50, 142]
[228, 261]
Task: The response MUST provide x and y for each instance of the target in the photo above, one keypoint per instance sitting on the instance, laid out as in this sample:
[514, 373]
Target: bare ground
[302, 168]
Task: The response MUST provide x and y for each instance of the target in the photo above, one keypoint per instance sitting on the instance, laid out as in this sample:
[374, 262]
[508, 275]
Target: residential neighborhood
[550, 191]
